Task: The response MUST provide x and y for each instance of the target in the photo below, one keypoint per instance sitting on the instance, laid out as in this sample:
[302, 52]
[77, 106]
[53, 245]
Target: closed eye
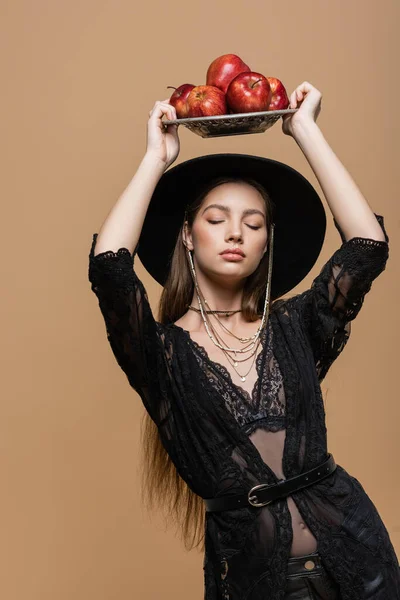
[251, 226]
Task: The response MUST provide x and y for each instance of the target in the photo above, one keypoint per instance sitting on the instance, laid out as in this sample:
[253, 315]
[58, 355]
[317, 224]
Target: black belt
[261, 495]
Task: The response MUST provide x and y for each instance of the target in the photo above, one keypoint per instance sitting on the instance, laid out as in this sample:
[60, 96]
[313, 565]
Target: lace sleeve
[134, 336]
[337, 295]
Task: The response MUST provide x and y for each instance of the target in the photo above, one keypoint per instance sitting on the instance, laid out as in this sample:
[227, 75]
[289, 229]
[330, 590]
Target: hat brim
[298, 214]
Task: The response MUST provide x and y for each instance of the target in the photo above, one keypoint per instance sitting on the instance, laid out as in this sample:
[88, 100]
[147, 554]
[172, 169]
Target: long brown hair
[161, 484]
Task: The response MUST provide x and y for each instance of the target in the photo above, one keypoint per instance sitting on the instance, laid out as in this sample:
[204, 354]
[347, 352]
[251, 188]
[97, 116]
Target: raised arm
[338, 292]
[124, 223]
[349, 207]
[136, 339]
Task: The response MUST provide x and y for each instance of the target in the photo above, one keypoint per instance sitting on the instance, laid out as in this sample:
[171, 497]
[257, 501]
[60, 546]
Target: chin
[234, 271]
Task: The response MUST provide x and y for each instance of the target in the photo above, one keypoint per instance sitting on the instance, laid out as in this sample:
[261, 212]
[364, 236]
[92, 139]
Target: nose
[234, 234]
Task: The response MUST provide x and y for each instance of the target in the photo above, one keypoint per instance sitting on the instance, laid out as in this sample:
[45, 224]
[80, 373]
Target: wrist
[306, 130]
[307, 134]
[154, 161]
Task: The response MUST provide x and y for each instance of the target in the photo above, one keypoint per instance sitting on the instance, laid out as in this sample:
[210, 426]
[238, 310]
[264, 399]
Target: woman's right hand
[162, 141]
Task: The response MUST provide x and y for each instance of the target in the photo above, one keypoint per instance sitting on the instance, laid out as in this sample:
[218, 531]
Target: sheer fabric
[224, 439]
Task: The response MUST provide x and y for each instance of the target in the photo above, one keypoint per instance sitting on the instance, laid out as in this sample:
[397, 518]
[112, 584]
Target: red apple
[206, 101]
[279, 100]
[223, 69]
[249, 92]
[179, 97]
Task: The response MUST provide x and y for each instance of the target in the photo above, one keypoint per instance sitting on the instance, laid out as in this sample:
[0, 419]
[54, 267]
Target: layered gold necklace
[251, 343]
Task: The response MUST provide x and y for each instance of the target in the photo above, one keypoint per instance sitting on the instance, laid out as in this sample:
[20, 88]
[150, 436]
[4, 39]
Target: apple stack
[231, 88]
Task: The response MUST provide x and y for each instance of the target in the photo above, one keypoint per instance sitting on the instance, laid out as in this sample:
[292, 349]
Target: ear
[187, 236]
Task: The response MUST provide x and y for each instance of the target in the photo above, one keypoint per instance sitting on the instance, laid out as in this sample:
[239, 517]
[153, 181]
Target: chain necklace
[226, 313]
[231, 332]
[244, 340]
[198, 293]
[256, 336]
[234, 362]
[247, 348]
[241, 339]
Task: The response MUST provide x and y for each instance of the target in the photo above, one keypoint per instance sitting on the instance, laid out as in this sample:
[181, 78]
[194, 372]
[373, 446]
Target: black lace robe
[214, 431]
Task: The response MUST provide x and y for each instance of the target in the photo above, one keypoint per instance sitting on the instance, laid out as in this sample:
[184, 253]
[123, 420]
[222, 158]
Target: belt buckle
[253, 499]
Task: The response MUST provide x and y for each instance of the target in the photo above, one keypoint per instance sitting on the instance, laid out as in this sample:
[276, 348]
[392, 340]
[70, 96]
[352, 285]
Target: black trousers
[307, 579]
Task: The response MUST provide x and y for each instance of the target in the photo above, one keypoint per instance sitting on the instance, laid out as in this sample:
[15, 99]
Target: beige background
[78, 81]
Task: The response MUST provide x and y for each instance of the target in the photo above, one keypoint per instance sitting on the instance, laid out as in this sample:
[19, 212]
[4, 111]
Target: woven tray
[236, 124]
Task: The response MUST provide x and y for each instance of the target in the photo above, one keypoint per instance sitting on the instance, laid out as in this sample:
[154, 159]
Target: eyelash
[251, 226]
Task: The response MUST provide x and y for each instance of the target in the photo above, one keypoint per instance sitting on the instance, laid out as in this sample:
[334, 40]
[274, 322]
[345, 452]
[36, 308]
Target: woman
[230, 374]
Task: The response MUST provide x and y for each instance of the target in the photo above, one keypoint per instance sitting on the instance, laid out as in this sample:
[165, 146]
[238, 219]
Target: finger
[170, 117]
[172, 128]
[158, 102]
[162, 109]
[170, 114]
[306, 92]
[305, 87]
[302, 90]
[170, 110]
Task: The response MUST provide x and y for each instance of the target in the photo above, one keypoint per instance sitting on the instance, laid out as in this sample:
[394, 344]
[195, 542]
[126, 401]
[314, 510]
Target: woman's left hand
[308, 99]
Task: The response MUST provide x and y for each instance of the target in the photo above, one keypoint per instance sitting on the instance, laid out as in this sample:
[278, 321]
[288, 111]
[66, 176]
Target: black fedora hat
[298, 214]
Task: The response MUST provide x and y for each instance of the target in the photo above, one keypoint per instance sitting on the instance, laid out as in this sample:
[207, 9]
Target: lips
[233, 251]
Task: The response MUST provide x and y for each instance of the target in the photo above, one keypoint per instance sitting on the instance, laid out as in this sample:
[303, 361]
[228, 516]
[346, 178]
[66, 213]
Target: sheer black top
[224, 440]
